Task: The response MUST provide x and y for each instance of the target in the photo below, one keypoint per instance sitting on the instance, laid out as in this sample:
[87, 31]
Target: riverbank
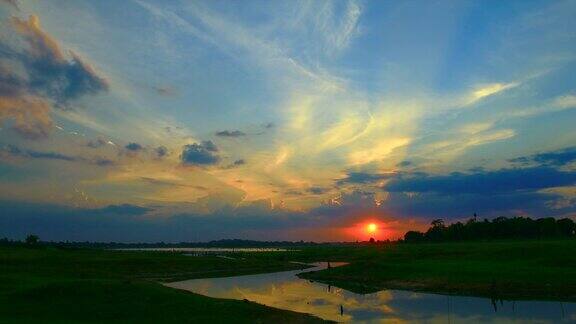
[544, 270]
[84, 285]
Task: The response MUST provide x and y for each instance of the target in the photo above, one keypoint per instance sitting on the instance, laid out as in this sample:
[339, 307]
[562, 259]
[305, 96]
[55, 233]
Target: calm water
[285, 290]
[209, 250]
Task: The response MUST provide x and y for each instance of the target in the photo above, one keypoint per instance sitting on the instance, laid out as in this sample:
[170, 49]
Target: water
[208, 250]
[286, 291]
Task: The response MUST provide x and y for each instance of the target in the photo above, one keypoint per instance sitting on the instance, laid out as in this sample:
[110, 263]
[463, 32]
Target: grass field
[73, 285]
[508, 270]
[54, 285]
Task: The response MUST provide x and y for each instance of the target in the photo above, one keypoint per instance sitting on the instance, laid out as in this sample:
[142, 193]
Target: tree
[436, 232]
[497, 228]
[437, 223]
[414, 236]
[566, 227]
[32, 239]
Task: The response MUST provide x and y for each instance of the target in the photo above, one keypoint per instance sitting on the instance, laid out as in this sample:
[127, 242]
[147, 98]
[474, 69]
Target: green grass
[83, 285]
[509, 270]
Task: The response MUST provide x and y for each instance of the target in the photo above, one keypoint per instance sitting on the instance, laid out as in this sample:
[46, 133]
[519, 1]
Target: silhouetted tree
[32, 239]
[566, 227]
[435, 233]
[413, 236]
[498, 228]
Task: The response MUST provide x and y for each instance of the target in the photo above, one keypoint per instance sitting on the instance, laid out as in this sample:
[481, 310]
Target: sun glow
[371, 228]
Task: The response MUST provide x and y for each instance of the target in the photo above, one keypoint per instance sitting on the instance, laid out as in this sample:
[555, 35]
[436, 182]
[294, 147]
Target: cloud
[209, 146]
[200, 154]
[57, 222]
[161, 151]
[165, 91]
[51, 73]
[404, 164]
[316, 190]
[227, 133]
[484, 182]
[235, 164]
[11, 2]
[104, 162]
[15, 151]
[167, 183]
[31, 114]
[123, 209]
[554, 158]
[99, 142]
[362, 178]
[131, 223]
[12, 151]
[35, 75]
[567, 101]
[490, 89]
[49, 155]
[134, 147]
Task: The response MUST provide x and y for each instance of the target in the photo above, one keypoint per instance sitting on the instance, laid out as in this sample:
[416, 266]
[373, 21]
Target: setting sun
[371, 228]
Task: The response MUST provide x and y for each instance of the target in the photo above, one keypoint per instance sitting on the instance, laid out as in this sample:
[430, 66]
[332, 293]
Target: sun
[371, 228]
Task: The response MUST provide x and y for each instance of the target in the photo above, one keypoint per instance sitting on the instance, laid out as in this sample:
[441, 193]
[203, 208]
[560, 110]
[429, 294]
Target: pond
[286, 291]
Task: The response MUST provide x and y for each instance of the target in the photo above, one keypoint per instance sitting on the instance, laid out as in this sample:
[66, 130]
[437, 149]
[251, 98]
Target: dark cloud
[159, 182]
[317, 190]
[235, 164]
[123, 209]
[161, 151]
[200, 154]
[209, 146]
[554, 158]
[430, 205]
[36, 75]
[129, 223]
[50, 155]
[227, 133]
[521, 160]
[134, 147]
[14, 151]
[362, 178]
[104, 162]
[487, 182]
[504, 192]
[260, 220]
[57, 222]
[50, 73]
[165, 91]
[99, 142]
[404, 164]
[17, 152]
[293, 193]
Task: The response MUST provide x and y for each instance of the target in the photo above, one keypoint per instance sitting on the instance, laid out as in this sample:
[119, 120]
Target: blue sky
[282, 119]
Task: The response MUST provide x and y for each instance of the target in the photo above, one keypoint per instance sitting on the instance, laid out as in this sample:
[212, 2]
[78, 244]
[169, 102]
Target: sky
[146, 121]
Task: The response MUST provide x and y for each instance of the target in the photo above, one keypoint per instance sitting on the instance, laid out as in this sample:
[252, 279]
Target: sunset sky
[282, 120]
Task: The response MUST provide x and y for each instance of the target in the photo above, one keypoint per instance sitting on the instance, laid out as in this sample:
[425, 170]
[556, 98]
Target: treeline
[498, 228]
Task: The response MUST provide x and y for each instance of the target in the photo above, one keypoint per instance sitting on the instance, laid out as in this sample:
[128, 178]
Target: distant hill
[215, 243]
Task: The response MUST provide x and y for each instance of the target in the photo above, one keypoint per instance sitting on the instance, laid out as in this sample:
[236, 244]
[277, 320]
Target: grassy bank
[508, 270]
[56, 285]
